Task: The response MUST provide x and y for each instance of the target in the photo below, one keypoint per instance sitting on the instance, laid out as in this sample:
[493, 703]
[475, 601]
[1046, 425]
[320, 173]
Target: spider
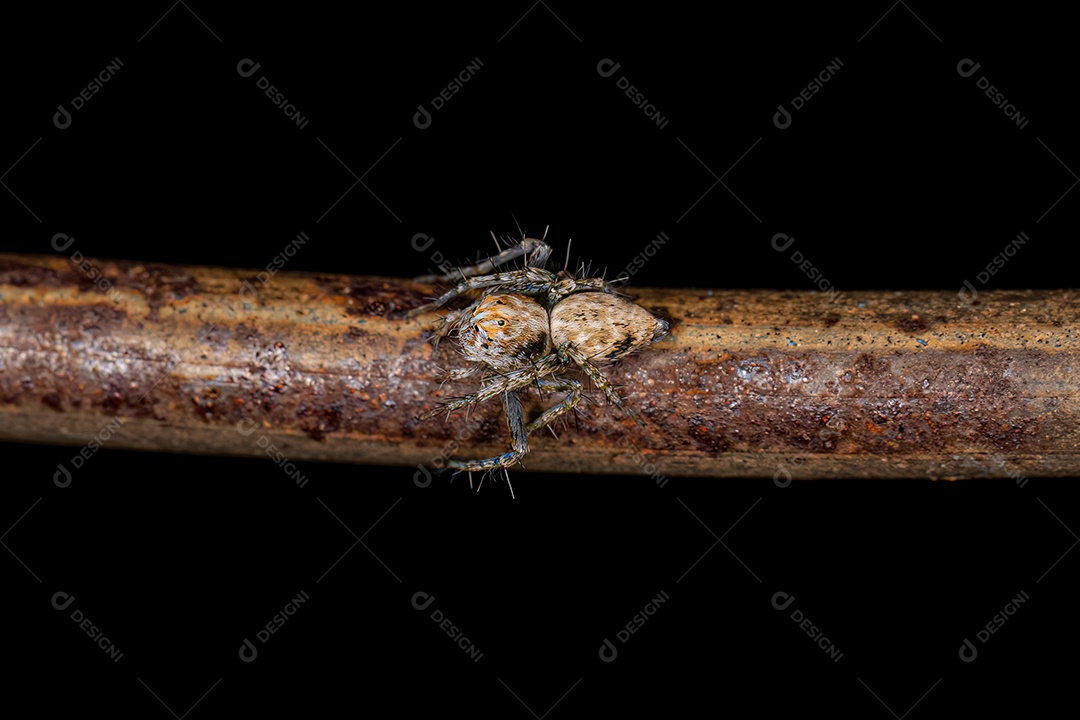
[524, 328]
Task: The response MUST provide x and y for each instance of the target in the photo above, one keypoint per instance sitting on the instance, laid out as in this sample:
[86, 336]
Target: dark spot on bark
[705, 435]
[864, 364]
[317, 422]
[52, 400]
[354, 335]
[377, 298]
[911, 324]
[159, 284]
[830, 320]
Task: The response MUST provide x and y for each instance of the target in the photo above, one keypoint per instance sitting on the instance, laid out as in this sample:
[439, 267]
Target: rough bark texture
[748, 383]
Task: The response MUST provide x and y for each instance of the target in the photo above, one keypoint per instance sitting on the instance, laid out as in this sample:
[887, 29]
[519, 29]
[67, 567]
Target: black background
[898, 174]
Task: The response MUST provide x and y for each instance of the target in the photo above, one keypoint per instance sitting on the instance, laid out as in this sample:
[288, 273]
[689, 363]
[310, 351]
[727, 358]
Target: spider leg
[599, 284]
[529, 281]
[455, 374]
[450, 322]
[519, 440]
[500, 384]
[536, 253]
[568, 353]
[568, 385]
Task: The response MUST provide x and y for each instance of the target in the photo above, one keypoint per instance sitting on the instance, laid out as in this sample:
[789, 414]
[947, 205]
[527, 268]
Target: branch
[748, 383]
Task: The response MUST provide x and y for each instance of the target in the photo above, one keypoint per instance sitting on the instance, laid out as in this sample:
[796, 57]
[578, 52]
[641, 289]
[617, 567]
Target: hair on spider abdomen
[527, 327]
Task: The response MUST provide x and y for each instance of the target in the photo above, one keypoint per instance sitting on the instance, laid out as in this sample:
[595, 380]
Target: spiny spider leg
[528, 280]
[506, 383]
[568, 353]
[519, 440]
[536, 253]
[450, 321]
[455, 374]
[565, 285]
[567, 385]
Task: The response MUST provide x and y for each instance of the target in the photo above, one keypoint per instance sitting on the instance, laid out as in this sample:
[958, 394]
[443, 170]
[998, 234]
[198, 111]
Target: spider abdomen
[602, 325]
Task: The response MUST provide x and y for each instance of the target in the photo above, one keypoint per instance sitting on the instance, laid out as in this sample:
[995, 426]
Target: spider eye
[501, 323]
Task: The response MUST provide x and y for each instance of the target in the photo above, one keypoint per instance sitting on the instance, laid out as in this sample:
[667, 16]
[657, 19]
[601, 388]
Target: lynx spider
[524, 328]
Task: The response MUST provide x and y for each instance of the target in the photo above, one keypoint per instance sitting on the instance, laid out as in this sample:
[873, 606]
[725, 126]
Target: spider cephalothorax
[526, 327]
[506, 331]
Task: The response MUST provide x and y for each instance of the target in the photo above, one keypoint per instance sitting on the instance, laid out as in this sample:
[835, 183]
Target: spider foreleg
[536, 253]
[499, 384]
[519, 441]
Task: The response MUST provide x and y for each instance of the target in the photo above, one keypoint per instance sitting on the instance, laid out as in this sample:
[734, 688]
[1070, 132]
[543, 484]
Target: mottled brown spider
[526, 327]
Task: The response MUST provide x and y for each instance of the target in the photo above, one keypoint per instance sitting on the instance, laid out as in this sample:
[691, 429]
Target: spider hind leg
[568, 353]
